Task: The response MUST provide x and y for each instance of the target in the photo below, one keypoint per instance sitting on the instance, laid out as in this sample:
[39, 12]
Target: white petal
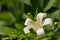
[40, 17]
[47, 21]
[26, 30]
[29, 22]
[40, 31]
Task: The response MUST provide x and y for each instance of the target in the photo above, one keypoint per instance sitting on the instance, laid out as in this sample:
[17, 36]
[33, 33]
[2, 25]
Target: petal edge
[47, 21]
[40, 17]
[26, 30]
[40, 31]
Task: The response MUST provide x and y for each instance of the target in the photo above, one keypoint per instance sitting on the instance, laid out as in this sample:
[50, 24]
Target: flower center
[37, 24]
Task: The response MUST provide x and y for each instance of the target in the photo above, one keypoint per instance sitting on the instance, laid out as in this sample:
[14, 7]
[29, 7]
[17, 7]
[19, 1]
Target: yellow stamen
[37, 24]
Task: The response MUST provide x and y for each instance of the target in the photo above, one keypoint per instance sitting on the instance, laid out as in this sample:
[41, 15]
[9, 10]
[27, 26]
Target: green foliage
[8, 17]
[49, 5]
[57, 3]
[8, 31]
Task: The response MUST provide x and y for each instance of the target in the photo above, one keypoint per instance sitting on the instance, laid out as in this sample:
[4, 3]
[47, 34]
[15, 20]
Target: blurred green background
[13, 15]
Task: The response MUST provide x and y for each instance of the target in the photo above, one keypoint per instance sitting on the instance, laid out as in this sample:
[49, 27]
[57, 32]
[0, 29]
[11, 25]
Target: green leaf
[8, 3]
[59, 24]
[8, 31]
[50, 34]
[20, 37]
[17, 3]
[55, 14]
[2, 23]
[28, 2]
[5, 38]
[41, 3]
[47, 28]
[19, 26]
[57, 3]
[46, 38]
[30, 15]
[58, 38]
[7, 17]
[49, 5]
[1, 3]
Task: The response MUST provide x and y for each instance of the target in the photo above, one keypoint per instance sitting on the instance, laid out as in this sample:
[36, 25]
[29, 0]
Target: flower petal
[40, 17]
[29, 22]
[26, 30]
[40, 31]
[47, 21]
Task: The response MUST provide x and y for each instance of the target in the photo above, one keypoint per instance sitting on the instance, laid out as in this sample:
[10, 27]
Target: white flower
[38, 25]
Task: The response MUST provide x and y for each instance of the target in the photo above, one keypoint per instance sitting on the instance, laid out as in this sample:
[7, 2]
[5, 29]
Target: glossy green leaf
[49, 5]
